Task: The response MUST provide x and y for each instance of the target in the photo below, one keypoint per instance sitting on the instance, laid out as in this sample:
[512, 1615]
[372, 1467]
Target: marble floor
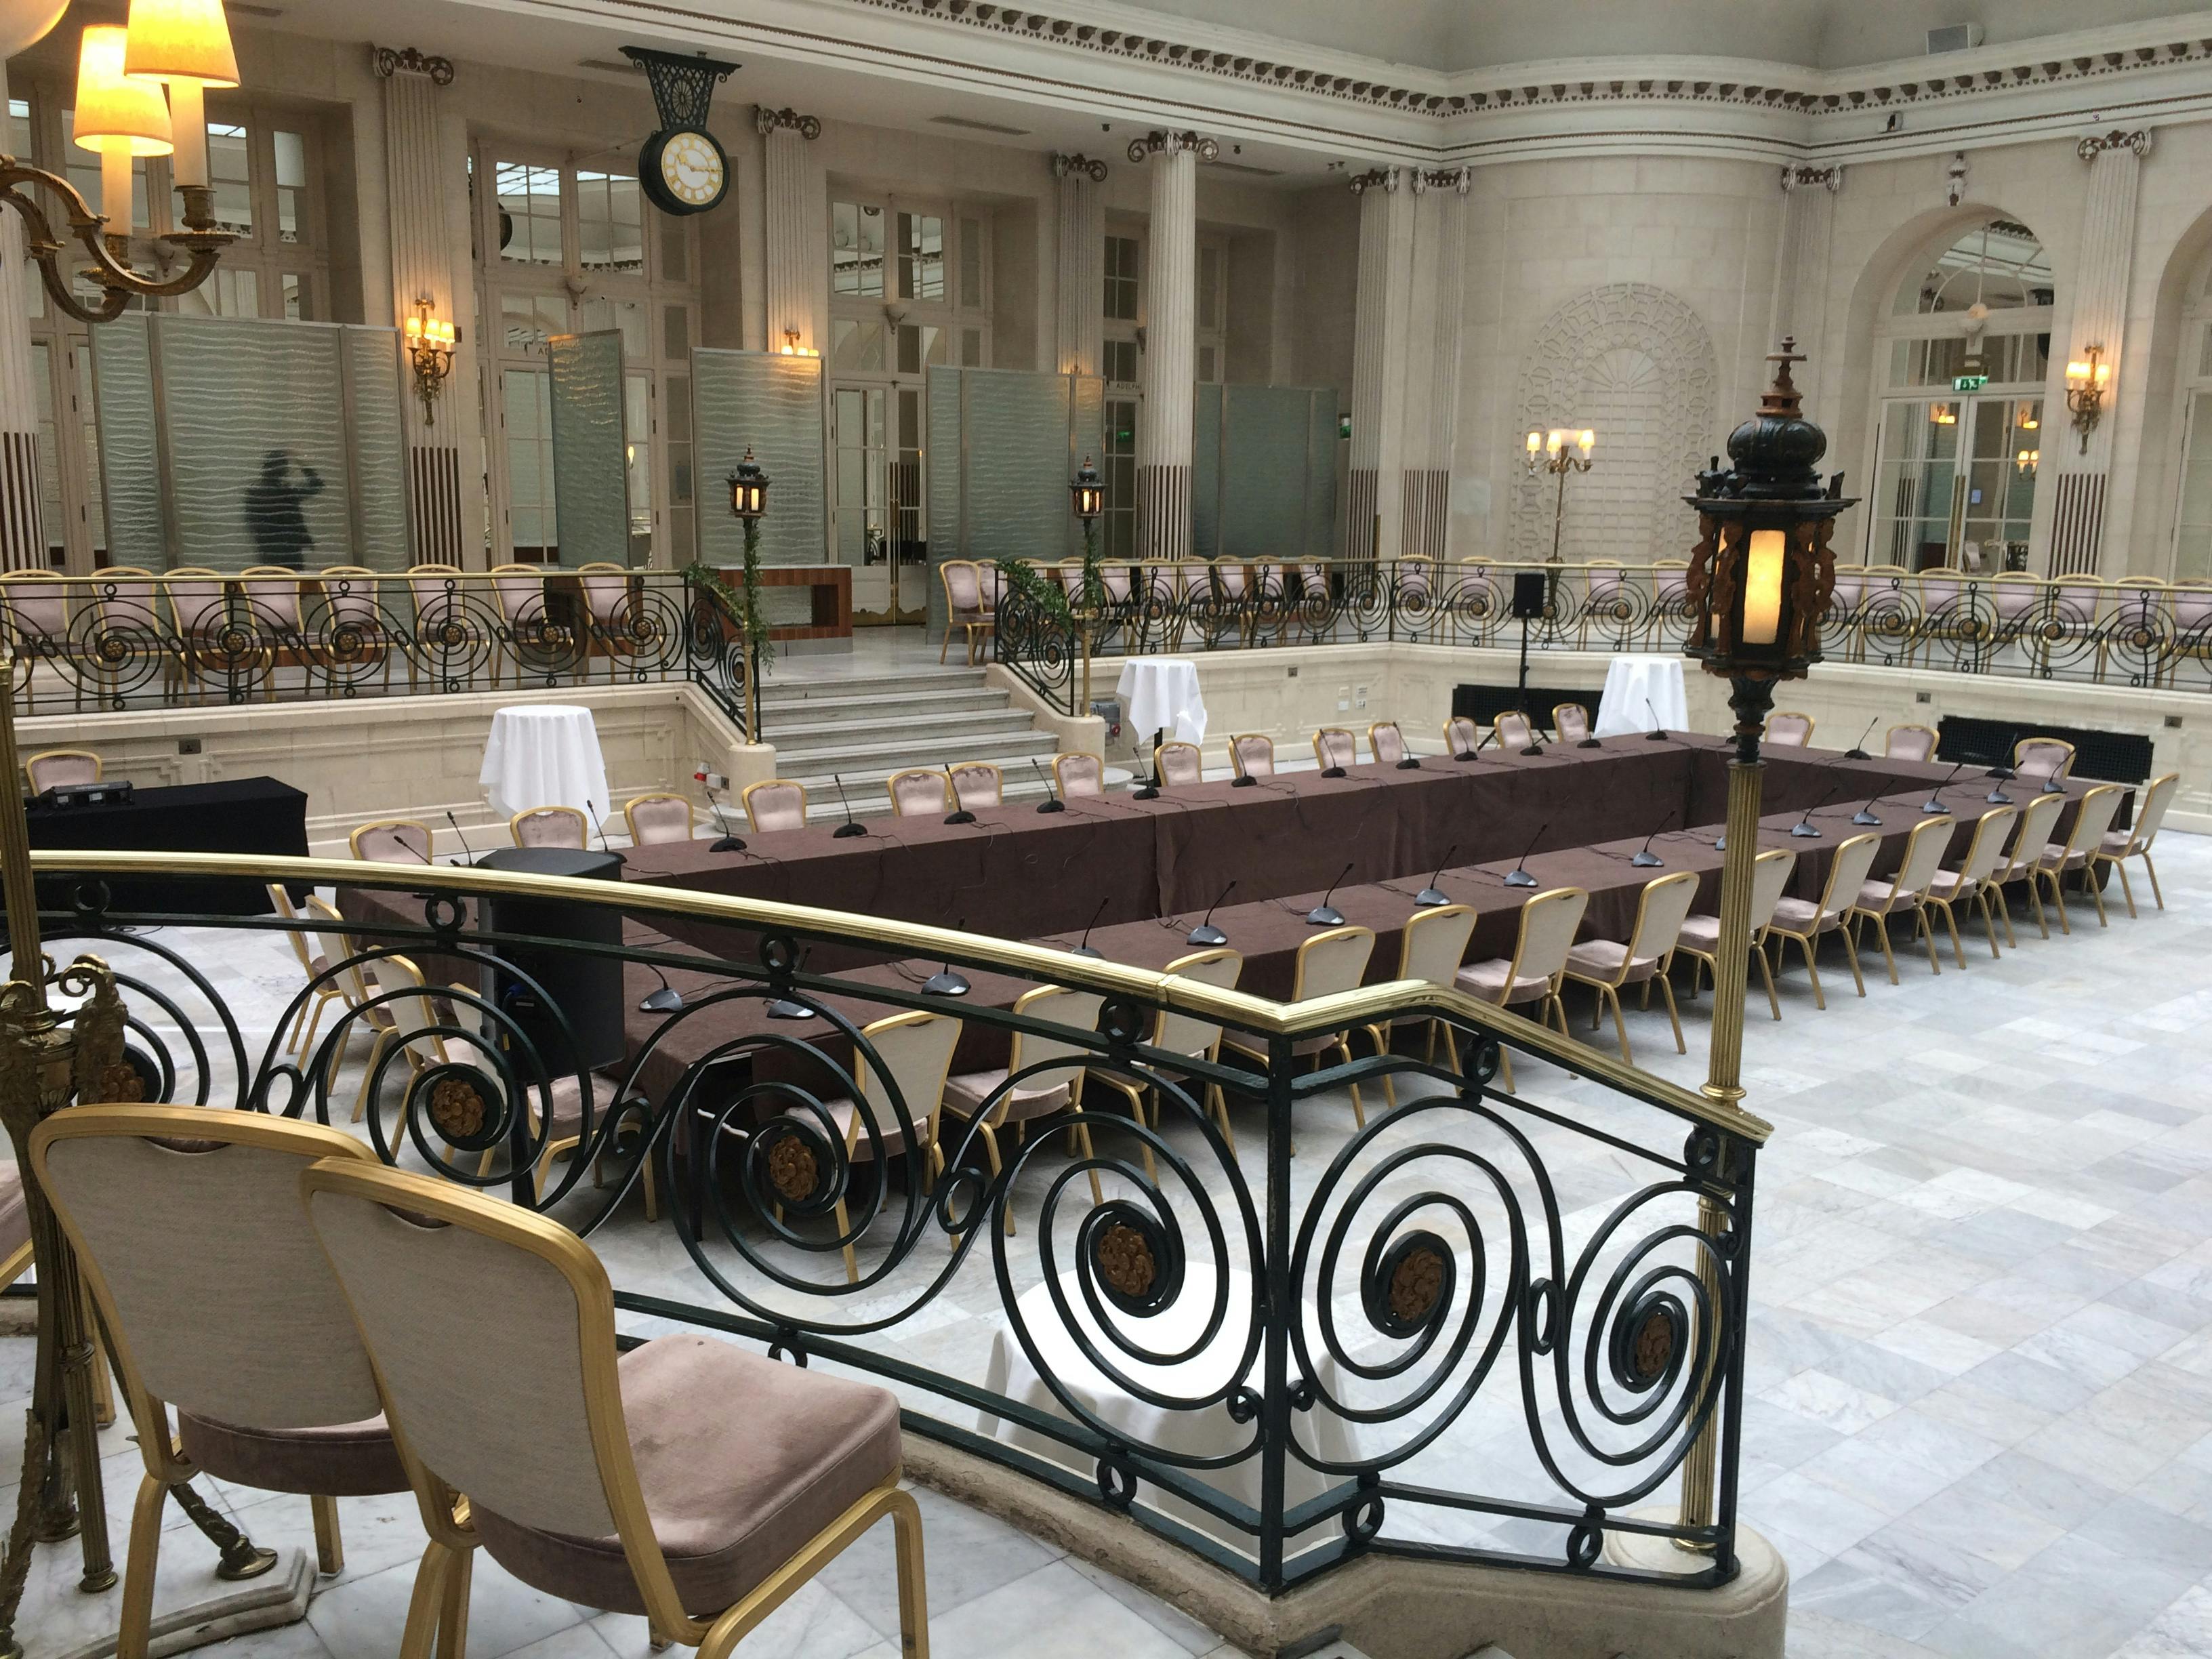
[1980, 1366]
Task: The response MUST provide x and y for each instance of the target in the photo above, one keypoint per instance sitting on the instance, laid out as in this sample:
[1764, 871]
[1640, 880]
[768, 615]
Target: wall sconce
[2086, 382]
[430, 345]
[2027, 461]
[1944, 415]
[793, 349]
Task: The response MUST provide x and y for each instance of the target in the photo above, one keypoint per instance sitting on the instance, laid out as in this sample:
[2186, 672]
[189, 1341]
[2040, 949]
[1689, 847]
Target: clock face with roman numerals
[684, 170]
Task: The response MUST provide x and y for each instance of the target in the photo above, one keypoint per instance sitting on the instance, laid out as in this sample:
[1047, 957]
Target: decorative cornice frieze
[1816, 94]
[1830, 179]
[1090, 166]
[1168, 143]
[1360, 183]
[1459, 179]
[767, 121]
[406, 60]
[2138, 141]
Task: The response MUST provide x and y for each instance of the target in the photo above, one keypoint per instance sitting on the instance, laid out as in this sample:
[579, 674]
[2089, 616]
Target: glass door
[2005, 450]
[1955, 483]
[860, 519]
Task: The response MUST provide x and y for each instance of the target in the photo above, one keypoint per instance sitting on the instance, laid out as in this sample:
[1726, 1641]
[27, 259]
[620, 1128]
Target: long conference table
[1146, 871]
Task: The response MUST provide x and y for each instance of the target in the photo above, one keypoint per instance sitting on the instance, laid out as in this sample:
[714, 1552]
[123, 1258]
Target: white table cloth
[544, 754]
[1209, 1432]
[1160, 694]
[1629, 683]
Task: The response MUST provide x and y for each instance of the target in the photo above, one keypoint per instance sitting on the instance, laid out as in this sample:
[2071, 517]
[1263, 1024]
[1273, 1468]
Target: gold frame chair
[440, 1603]
[430, 844]
[1321, 747]
[1374, 750]
[1197, 760]
[998, 786]
[984, 621]
[1766, 732]
[1559, 725]
[2136, 840]
[1548, 1005]
[1066, 1055]
[1318, 1045]
[944, 786]
[2065, 767]
[31, 762]
[1709, 960]
[1522, 725]
[2085, 817]
[1987, 848]
[583, 825]
[745, 801]
[923, 1115]
[1410, 946]
[630, 824]
[1608, 990]
[1237, 741]
[1164, 1024]
[1060, 773]
[1809, 941]
[1462, 736]
[1932, 830]
[1889, 740]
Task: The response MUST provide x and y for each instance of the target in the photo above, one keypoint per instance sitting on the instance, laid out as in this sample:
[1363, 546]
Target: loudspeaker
[1529, 595]
[577, 1022]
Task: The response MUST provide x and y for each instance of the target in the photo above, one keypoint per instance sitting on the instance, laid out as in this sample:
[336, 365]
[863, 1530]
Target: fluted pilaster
[22, 536]
[1079, 258]
[2099, 319]
[1808, 236]
[1164, 436]
[797, 239]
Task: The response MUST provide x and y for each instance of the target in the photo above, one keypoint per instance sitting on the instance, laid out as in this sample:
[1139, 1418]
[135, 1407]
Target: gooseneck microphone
[959, 814]
[1658, 731]
[729, 842]
[1590, 739]
[463, 839]
[948, 981]
[1866, 815]
[601, 824]
[1933, 804]
[1519, 876]
[1996, 776]
[667, 1001]
[1645, 858]
[1083, 947]
[849, 828]
[1052, 802]
[1857, 750]
[1206, 932]
[1149, 788]
[1326, 914]
[1431, 895]
[1803, 828]
[1535, 744]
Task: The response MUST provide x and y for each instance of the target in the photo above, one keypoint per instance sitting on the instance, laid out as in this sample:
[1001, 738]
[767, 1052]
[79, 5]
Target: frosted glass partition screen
[226, 442]
[1263, 472]
[1003, 444]
[591, 458]
[772, 403]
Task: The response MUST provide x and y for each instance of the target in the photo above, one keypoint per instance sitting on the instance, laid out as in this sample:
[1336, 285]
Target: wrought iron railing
[2137, 632]
[1488, 1327]
[121, 640]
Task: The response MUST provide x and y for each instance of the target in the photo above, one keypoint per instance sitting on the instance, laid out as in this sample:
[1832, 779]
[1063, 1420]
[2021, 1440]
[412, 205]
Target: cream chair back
[333, 944]
[1080, 773]
[2043, 758]
[1461, 734]
[190, 1228]
[1660, 912]
[61, 768]
[915, 1053]
[1910, 743]
[1924, 856]
[1571, 721]
[919, 792]
[1386, 742]
[1548, 923]
[1078, 1010]
[1180, 764]
[1435, 943]
[414, 1013]
[2156, 799]
[1332, 962]
[1180, 1033]
[977, 785]
[392, 840]
[548, 826]
[2036, 821]
[1334, 746]
[962, 595]
[655, 819]
[1794, 731]
[1512, 729]
[1770, 876]
[1847, 873]
[2093, 817]
[1986, 851]
[776, 804]
[1253, 754]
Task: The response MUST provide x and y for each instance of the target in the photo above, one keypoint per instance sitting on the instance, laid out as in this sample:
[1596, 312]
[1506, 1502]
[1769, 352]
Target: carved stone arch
[1633, 362]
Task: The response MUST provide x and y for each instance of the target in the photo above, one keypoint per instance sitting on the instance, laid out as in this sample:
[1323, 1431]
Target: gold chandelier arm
[117, 281]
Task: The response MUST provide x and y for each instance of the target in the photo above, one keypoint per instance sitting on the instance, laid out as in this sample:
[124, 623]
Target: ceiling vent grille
[962, 121]
[1960, 37]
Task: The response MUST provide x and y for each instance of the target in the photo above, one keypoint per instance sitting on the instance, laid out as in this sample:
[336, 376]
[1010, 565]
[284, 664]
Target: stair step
[775, 692]
[882, 758]
[780, 713]
[804, 737]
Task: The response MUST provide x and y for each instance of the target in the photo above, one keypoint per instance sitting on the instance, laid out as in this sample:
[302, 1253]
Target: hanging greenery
[1023, 581]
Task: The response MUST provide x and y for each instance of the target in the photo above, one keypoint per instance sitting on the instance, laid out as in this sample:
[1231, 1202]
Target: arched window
[1960, 361]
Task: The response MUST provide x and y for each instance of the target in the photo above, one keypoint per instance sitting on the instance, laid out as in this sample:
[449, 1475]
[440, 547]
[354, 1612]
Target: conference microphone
[458, 837]
[1803, 828]
[1590, 740]
[1052, 802]
[1996, 797]
[1865, 815]
[1857, 750]
[667, 1001]
[1481, 744]
[1084, 949]
[1658, 731]
[1326, 914]
[1535, 744]
[1645, 858]
[599, 823]
[1932, 805]
[729, 842]
[959, 814]
[1245, 779]
[1149, 788]
[1431, 895]
[950, 982]
[845, 831]
[1519, 876]
[1206, 932]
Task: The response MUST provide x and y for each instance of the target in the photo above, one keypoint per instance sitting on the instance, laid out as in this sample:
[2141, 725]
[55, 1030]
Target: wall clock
[680, 168]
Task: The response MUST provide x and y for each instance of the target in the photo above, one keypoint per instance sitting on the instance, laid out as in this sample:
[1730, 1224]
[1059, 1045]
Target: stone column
[425, 186]
[2108, 242]
[797, 235]
[1800, 265]
[1430, 415]
[1164, 436]
[23, 536]
[1079, 276]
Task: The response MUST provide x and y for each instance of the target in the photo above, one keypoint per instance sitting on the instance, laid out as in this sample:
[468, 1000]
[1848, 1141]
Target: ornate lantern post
[1087, 498]
[1758, 583]
[749, 503]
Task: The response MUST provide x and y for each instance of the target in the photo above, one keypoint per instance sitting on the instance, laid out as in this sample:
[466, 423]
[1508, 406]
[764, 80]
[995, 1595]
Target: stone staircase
[864, 727]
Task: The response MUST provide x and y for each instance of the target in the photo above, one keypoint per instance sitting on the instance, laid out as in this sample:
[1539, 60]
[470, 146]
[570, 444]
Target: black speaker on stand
[586, 988]
[1528, 601]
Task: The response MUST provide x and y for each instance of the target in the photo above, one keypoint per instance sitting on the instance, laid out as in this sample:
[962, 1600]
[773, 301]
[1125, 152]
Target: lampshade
[25, 22]
[177, 39]
[115, 113]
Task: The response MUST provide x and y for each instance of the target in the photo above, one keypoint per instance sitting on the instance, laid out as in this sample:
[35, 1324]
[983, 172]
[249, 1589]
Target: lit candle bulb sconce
[431, 343]
[2087, 380]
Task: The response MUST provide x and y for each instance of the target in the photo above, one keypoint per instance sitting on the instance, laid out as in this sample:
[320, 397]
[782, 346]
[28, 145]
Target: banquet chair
[779, 803]
[34, 620]
[1327, 963]
[1176, 1032]
[1807, 920]
[1178, 764]
[1605, 965]
[1513, 730]
[2038, 758]
[391, 840]
[1387, 743]
[354, 627]
[272, 605]
[537, 641]
[128, 631]
[1079, 773]
[1910, 743]
[1431, 949]
[332, 944]
[1253, 754]
[395, 987]
[964, 607]
[2037, 819]
[200, 612]
[1789, 730]
[1056, 1083]
[916, 1049]
[315, 964]
[655, 819]
[1973, 879]
[1879, 899]
[561, 1116]
[978, 785]
[1570, 722]
[919, 791]
[628, 1482]
[1699, 936]
[549, 826]
[246, 1336]
[611, 613]
[1462, 735]
[2121, 845]
[2093, 817]
[1334, 746]
[454, 630]
[1539, 963]
[54, 768]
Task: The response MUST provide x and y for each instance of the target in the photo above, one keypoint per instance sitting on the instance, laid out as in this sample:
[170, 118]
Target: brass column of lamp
[2088, 379]
[431, 343]
[749, 503]
[1560, 453]
[1758, 583]
[49, 1058]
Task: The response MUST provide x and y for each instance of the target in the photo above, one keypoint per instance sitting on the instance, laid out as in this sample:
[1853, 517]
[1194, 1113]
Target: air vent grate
[978, 126]
[1960, 37]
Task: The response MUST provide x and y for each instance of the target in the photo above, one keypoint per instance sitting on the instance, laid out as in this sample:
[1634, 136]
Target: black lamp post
[1086, 493]
[749, 504]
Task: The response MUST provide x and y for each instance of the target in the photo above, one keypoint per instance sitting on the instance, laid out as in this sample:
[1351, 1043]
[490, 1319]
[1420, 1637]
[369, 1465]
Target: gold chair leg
[1358, 1112]
[1881, 933]
[1989, 917]
[1926, 930]
[1505, 1067]
[912, 1582]
[330, 1545]
[1957, 946]
[368, 1074]
[2151, 869]
[1813, 970]
[1220, 1103]
[1673, 1017]
[2126, 891]
[1859, 979]
[138, 1569]
[852, 1263]
[1767, 973]
[454, 1612]
[1619, 1023]
[2096, 892]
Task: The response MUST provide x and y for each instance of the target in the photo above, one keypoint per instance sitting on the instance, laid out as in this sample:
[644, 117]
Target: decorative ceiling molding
[767, 121]
[408, 60]
[1830, 179]
[1090, 166]
[1172, 143]
[2138, 141]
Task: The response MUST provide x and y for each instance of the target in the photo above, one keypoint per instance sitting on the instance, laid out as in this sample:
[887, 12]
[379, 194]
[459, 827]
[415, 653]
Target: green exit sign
[1969, 382]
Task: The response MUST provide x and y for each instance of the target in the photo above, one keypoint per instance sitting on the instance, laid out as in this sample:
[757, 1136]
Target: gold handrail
[1368, 1005]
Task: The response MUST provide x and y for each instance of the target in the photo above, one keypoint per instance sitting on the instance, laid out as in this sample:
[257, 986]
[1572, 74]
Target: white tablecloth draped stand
[544, 754]
[1630, 683]
[1160, 694]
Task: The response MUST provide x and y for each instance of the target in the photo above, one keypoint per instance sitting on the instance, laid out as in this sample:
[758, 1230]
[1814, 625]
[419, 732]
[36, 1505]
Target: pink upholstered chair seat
[2056, 856]
[966, 1092]
[348, 1460]
[1882, 897]
[890, 1136]
[1487, 980]
[1601, 958]
[567, 1114]
[1699, 933]
[1942, 885]
[60, 771]
[1798, 915]
[2115, 841]
[725, 1506]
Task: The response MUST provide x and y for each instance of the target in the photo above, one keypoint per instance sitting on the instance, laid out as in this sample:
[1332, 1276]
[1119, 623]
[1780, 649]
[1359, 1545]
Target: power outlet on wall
[1343, 698]
[1294, 670]
[188, 745]
[1923, 696]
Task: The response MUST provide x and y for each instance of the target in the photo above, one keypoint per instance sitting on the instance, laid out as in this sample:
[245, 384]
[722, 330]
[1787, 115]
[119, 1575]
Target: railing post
[1275, 1278]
